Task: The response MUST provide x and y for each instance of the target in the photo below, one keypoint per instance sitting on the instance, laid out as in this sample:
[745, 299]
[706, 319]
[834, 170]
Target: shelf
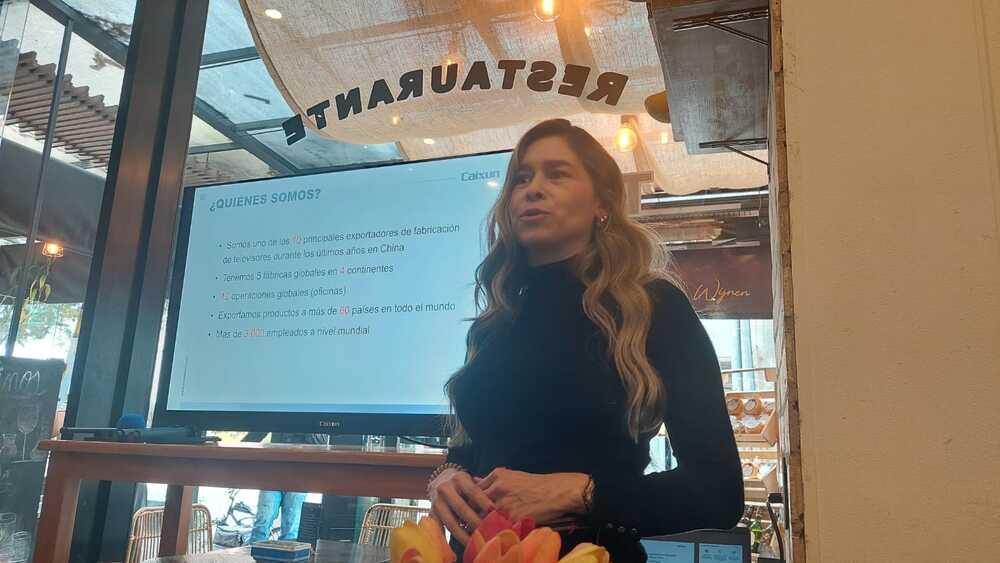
[770, 374]
[750, 455]
[754, 491]
[751, 439]
[751, 395]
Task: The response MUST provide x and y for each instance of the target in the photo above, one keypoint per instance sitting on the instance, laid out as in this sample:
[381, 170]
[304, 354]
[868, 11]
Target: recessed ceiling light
[272, 13]
[429, 141]
[664, 137]
[395, 120]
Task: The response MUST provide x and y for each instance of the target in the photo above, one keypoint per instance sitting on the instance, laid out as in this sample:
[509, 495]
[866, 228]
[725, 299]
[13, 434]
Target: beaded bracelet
[441, 469]
[588, 495]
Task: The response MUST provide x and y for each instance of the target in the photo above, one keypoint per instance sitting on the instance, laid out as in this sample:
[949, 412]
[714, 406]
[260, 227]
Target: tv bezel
[265, 421]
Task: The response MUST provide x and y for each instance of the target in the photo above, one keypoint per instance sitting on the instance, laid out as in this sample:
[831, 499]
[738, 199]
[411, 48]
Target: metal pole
[129, 274]
[751, 157]
[50, 133]
[737, 33]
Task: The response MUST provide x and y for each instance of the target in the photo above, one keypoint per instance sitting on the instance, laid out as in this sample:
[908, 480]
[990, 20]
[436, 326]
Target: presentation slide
[347, 292]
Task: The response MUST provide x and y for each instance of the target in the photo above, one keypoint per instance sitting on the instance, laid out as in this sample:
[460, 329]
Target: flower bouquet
[496, 540]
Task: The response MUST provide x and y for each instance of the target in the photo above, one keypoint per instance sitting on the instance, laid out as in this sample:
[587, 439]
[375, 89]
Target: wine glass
[27, 420]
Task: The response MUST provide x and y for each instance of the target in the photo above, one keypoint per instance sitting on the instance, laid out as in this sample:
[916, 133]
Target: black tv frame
[257, 421]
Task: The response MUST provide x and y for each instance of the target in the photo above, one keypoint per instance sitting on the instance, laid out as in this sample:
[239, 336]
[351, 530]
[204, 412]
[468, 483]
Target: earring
[603, 222]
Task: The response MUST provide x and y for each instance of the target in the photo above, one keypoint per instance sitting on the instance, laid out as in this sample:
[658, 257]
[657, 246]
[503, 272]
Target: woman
[581, 350]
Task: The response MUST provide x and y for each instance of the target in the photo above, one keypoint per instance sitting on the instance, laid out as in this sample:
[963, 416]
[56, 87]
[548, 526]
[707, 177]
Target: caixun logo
[480, 175]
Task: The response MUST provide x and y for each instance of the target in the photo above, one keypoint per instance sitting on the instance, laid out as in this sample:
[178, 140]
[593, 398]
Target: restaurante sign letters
[539, 77]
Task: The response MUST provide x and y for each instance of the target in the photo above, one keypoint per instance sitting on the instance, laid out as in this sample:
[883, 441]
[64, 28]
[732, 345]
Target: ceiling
[236, 128]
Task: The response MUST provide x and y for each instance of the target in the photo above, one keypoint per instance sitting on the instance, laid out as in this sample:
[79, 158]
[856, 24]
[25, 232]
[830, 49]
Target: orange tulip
[587, 553]
[490, 553]
[432, 528]
[513, 555]
[473, 547]
[503, 548]
[493, 524]
[496, 540]
[419, 543]
[542, 545]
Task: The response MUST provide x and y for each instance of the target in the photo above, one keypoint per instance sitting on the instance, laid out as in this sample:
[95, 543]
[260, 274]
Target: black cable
[422, 443]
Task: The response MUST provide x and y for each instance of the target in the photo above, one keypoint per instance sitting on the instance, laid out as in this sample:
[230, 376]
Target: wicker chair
[380, 519]
[144, 537]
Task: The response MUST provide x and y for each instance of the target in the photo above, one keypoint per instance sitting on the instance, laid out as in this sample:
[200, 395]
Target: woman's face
[553, 204]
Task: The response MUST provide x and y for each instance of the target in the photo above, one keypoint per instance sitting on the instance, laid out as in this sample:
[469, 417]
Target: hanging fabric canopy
[317, 51]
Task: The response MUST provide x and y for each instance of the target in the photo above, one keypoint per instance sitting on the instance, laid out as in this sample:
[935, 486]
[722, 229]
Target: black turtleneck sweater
[543, 396]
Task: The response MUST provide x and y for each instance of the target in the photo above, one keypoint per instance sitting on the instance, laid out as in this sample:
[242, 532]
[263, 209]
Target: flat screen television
[335, 302]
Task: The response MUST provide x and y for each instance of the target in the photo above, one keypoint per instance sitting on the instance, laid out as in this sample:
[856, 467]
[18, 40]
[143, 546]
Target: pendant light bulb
[52, 250]
[626, 138]
[547, 10]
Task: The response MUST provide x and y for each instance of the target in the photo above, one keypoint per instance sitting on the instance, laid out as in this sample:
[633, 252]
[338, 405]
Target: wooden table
[326, 552]
[339, 470]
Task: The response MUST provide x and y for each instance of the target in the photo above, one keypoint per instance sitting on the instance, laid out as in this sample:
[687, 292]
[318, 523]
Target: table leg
[176, 521]
[55, 527]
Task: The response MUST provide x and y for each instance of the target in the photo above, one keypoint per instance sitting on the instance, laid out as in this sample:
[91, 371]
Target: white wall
[892, 113]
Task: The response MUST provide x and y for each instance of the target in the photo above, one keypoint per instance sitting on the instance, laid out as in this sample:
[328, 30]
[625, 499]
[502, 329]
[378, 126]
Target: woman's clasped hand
[460, 501]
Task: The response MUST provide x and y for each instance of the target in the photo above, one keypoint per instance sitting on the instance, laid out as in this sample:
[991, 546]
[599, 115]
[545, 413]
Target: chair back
[144, 536]
[380, 519]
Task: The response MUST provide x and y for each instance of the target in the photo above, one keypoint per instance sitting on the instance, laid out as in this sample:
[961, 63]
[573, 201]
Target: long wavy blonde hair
[622, 258]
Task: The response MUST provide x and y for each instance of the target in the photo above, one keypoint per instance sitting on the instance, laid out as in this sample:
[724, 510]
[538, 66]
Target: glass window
[20, 154]
[43, 36]
[203, 134]
[48, 330]
[224, 166]
[47, 263]
[226, 29]
[13, 19]
[114, 17]
[73, 193]
[316, 151]
[243, 92]
[743, 344]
